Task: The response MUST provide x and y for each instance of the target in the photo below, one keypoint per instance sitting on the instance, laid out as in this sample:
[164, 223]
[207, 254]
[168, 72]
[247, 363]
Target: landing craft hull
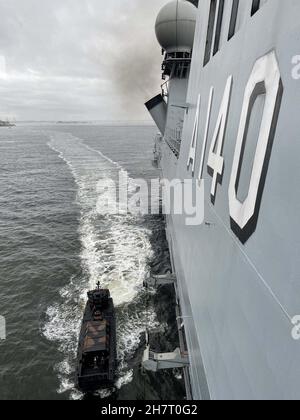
[238, 276]
[92, 377]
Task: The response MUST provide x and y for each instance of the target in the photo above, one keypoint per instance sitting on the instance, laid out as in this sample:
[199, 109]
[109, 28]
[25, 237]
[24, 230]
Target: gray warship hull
[238, 272]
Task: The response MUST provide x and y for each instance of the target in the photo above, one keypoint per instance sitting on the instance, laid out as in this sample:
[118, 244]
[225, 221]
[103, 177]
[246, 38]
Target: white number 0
[265, 79]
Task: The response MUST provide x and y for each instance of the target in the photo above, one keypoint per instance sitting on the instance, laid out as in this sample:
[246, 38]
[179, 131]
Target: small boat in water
[97, 343]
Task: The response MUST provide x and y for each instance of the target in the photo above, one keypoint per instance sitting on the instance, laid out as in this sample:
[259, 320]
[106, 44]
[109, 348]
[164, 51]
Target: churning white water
[115, 250]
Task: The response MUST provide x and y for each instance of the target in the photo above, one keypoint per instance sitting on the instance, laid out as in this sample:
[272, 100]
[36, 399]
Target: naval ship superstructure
[228, 116]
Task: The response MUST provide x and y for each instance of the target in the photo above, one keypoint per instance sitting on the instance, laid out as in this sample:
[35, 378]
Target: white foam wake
[115, 251]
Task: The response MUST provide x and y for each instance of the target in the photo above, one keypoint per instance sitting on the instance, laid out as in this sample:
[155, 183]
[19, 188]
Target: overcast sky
[78, 59]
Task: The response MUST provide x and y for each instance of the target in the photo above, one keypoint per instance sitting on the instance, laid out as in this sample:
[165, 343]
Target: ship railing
[175, 148]
[174, 142]
[176, 64]
[157, 150]
[165, 89]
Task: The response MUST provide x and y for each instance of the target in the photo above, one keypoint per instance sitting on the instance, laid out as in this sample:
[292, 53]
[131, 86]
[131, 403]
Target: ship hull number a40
[265, 79]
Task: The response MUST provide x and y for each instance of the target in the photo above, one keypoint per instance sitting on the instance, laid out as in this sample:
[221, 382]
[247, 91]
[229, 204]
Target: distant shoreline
[6, 124]
[103, 123]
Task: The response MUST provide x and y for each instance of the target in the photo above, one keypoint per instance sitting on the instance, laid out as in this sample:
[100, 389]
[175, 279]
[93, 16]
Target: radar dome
[175, 26]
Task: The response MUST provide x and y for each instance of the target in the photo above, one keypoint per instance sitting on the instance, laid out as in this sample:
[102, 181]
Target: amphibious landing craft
[228, 114]
[97, 343]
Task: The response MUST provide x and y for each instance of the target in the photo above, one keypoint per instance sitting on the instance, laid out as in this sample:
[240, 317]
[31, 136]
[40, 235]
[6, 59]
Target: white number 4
[215, 160]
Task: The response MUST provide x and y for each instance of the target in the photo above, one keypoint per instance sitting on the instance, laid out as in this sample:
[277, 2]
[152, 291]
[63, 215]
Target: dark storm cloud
[78, 59]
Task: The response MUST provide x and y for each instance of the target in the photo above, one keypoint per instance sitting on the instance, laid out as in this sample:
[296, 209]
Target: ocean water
[55, 246]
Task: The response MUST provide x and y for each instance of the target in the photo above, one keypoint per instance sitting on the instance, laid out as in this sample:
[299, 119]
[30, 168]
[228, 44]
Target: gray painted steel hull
[238, 299]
